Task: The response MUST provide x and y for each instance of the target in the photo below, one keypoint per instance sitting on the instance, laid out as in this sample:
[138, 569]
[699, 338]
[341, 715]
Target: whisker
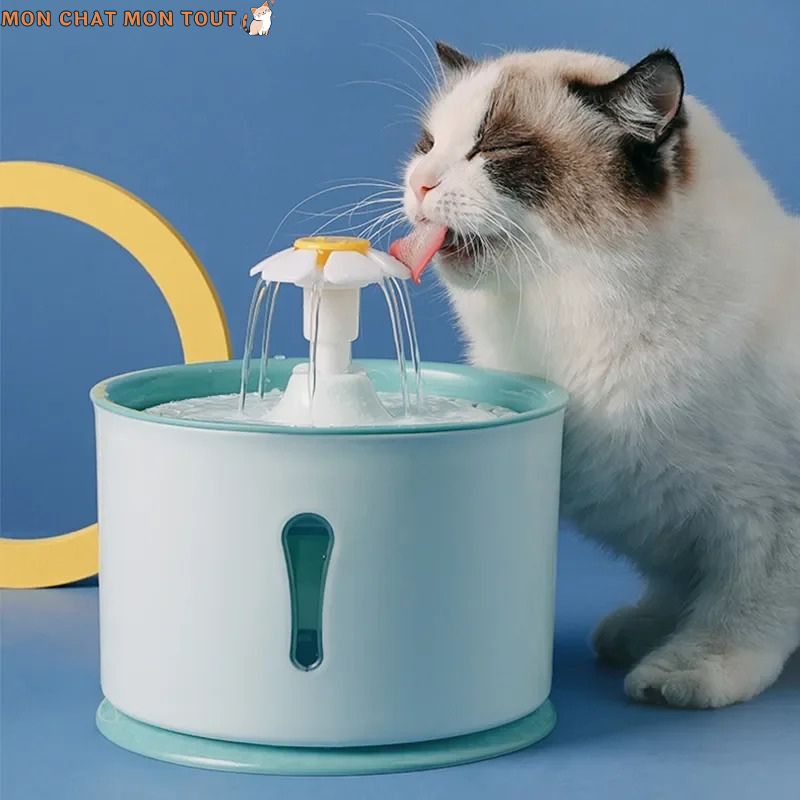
[517, 243]
[403, 88]
[401, 121]
[368, 227]
[390, 233]
[383, 233]
[360, 229]
[333, 219]
[334, 209]
[339, 187]
[367, 179]
[410, 30]
[423, 78]
[386, 221]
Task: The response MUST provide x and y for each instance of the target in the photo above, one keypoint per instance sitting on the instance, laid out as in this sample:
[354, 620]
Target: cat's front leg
[628, 634]
[697, 672]
[741, 626]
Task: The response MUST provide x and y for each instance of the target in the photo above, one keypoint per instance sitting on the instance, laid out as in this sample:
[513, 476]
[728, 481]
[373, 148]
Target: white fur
[265, 18]
[680, 346]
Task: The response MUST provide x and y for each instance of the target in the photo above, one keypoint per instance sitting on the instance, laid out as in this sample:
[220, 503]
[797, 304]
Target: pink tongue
[418, 248]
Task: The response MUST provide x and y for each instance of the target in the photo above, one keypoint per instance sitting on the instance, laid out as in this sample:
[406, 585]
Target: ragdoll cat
[262, 20]
[594, 225]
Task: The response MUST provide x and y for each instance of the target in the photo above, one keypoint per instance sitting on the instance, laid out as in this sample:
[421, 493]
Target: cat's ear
[646, 100]
[452, 60]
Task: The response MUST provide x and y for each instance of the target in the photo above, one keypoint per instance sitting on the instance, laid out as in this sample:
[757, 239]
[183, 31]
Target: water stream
[394, 315]
[404, 334]
[252, 319]
[316, 303]
[401, 289]
[262, 370]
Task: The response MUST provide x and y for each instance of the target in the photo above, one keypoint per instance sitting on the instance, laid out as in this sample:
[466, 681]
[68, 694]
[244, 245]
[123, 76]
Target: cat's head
[532, 151]
[261, 11]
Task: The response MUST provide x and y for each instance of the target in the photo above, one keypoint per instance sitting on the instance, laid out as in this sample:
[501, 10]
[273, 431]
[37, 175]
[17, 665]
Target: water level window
[307, 545]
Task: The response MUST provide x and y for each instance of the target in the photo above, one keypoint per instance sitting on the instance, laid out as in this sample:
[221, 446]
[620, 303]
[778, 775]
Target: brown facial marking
[544, 147]
[424, 143]
[645, 104]
[518, 159]
[559, 172]
[645, 170]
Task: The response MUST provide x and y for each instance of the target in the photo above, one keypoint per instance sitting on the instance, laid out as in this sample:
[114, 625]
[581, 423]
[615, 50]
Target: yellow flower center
[325, 245]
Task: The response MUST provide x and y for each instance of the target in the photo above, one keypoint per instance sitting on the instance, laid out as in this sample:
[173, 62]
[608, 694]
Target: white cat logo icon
[262, 20]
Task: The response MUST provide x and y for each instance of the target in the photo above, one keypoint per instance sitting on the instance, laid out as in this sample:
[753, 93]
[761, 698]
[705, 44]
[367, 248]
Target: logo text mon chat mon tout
[70, 18]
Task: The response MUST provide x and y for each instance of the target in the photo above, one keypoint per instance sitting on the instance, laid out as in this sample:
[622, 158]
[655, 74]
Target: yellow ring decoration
[178, 273]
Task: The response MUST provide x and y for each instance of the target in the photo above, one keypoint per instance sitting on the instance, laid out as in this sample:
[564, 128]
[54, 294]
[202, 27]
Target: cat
[262, 20]
[597, 227]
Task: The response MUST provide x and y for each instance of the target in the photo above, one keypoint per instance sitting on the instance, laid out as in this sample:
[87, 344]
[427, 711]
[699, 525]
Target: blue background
[224, 133]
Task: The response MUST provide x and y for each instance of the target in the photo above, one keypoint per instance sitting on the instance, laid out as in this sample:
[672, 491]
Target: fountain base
[231, 627]
[196, 751]
[341, 399]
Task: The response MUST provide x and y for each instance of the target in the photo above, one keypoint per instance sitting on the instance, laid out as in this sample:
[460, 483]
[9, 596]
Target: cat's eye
[506, 146]
[424, 143]
[498, 147]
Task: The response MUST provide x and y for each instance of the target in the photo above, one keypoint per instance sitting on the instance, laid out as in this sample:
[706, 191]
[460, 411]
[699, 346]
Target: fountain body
[335, 599]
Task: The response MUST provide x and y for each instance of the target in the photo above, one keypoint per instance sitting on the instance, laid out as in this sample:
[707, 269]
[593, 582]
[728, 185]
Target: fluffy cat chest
[621, 485]
[599, 370]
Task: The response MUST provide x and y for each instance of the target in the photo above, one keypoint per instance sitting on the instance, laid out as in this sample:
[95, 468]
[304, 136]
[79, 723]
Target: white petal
[288, 266]
[390, 265]
[347, 268]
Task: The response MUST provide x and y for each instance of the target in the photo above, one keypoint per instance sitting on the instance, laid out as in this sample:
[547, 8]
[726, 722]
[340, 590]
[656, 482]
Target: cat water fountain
[350, 572]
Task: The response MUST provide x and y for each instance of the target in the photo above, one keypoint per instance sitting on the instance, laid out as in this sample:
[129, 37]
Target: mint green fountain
[318, 567]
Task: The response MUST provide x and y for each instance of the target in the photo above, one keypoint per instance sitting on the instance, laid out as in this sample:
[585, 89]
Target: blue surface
[602, 747]
[223, 133]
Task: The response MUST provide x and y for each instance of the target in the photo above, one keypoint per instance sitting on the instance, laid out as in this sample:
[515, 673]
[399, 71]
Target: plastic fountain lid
[335, 261]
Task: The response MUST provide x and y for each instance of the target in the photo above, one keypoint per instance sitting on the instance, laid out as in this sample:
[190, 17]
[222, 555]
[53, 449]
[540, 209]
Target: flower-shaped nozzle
[335, 261]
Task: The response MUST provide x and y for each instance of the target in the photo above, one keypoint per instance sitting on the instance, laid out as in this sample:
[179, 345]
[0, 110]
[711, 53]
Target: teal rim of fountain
[195, 751]
[132, 394]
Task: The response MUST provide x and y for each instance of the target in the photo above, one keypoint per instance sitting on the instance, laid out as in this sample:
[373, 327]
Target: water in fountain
[433, 409]
[331, 306]
[255, 406]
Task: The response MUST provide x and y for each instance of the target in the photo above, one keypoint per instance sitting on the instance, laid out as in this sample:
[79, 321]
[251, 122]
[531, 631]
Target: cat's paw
[628, 634]
[693, 677]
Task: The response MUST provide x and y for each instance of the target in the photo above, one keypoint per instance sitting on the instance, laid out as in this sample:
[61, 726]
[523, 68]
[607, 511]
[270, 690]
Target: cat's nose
[421, 183]
[423, 190]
